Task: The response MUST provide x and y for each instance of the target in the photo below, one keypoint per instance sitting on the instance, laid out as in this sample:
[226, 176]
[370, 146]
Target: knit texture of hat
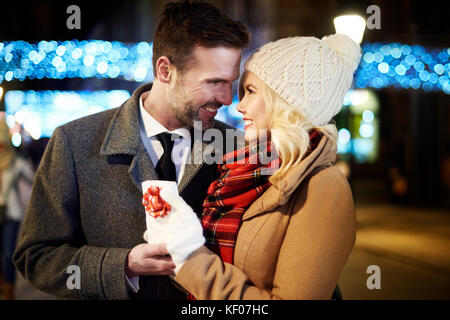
[308, 73]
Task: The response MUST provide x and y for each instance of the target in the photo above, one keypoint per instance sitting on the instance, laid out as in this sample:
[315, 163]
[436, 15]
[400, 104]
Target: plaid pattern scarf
[243, 178]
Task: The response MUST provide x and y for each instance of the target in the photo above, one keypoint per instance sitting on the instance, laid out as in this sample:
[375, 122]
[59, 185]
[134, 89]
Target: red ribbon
[154, 205]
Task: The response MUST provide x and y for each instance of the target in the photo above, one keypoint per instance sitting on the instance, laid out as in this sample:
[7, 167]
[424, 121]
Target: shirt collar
[153, 127]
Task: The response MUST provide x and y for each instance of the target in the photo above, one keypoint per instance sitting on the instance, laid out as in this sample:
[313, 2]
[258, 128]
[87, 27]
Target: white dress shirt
[181, 152]
[181, 149]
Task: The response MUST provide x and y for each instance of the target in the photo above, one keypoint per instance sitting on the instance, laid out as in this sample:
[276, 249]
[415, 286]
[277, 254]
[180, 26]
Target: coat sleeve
[317, 243]
[51, 239]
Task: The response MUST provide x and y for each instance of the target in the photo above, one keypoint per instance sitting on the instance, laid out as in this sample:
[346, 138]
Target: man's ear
[164, 69]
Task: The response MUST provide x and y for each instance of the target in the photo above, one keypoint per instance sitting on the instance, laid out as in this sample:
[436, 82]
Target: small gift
[155, 196]
[170, 219]
[154, 205]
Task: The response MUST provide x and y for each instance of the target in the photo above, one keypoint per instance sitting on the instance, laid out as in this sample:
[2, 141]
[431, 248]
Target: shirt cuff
[133, 283]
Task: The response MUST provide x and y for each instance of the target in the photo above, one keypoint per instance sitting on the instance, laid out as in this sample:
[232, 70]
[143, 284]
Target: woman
[286, 235]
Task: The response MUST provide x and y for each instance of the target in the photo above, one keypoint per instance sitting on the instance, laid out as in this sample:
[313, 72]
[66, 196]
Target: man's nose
[226, 97]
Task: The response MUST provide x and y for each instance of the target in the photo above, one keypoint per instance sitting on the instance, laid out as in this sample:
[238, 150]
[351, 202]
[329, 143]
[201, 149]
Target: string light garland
[20, 60]
[382, 65]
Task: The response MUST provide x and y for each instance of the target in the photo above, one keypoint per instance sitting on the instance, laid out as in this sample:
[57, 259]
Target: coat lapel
[141, 168]
[196, 161]
[123, 138]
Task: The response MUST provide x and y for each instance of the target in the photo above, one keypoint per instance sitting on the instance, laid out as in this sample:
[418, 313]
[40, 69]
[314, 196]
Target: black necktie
[165, 166]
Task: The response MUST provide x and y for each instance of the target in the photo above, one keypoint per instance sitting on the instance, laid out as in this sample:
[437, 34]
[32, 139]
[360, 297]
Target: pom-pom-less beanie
[308, 73]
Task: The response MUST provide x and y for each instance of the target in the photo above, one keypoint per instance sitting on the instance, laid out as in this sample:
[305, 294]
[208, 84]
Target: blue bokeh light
[382, 65]
[403, 67]
[43, 111]
[75, 59]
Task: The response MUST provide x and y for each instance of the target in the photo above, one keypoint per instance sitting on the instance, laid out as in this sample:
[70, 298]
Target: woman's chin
[250, 136]
[254, 139]
[253, 136]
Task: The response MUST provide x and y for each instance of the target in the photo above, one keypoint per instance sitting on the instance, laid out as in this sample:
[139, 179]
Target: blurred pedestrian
[16, 179]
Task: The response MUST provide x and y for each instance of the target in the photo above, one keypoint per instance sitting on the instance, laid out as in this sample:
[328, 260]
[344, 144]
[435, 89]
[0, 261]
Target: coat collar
[123, 138]
[123, 135]
[279, 193]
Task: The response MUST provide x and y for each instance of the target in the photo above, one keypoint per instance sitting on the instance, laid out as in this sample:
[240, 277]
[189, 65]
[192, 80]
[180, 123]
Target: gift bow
[154, 205]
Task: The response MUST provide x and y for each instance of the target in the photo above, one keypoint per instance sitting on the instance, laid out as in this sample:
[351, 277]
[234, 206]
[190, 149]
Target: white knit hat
[310, 74]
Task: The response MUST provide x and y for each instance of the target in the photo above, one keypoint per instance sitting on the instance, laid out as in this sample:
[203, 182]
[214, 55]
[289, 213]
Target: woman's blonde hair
[290, 131]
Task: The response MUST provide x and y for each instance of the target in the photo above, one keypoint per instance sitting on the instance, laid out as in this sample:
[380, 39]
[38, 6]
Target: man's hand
[149, 259]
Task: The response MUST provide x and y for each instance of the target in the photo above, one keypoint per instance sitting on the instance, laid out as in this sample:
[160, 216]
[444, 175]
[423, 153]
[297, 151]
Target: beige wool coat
[293, 242]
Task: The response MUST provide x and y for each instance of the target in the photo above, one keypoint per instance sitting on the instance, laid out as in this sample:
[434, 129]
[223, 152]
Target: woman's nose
[240, 107]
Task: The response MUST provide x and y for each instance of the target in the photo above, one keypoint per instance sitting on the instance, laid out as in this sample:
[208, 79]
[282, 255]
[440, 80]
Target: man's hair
[183, 25]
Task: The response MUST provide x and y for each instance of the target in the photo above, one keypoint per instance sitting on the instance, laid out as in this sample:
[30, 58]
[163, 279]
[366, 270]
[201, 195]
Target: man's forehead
[218, 63]
[216, 50]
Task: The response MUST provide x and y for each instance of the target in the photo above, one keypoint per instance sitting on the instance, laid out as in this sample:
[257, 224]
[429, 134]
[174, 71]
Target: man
[86, 214]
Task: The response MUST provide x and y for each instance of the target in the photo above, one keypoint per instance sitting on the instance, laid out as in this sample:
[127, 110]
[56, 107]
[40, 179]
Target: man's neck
[155, 103]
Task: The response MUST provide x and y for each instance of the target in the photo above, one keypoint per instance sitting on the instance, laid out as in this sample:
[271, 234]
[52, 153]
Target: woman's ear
[164, 69]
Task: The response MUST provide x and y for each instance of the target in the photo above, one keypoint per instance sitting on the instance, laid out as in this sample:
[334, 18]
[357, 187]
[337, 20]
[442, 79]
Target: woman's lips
[247, 123]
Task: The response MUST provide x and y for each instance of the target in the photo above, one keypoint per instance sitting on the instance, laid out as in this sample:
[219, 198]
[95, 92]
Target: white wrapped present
[175, 224]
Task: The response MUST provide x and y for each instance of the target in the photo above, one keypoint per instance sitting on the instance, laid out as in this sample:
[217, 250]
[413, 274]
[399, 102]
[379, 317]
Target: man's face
[205, 85]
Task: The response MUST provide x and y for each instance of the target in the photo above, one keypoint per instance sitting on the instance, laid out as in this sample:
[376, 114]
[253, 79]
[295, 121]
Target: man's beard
[180, 106]
[184, 110]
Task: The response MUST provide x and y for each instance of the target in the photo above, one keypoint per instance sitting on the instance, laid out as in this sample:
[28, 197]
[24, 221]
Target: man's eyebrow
[221, 79]
[216, 80]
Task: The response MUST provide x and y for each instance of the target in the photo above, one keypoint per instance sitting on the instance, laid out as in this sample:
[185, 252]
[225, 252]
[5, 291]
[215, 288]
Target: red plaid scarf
[240, 183]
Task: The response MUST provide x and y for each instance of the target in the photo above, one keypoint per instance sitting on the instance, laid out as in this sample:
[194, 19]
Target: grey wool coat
[86, 207]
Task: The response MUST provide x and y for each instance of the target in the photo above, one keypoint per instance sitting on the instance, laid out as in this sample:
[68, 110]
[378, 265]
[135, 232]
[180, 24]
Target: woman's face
[253, 108]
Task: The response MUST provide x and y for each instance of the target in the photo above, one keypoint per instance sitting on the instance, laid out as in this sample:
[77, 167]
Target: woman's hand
[184, 231]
